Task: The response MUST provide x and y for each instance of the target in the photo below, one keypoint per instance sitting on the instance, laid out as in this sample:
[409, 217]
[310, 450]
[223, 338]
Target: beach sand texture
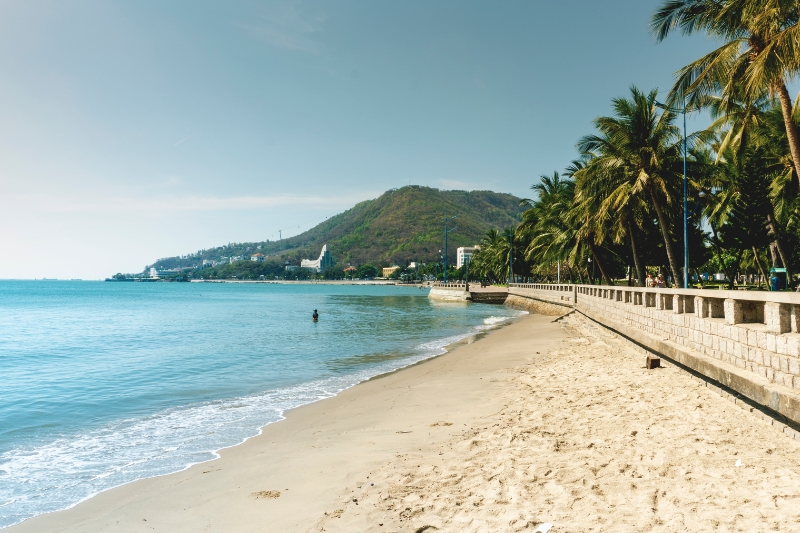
[537, 422]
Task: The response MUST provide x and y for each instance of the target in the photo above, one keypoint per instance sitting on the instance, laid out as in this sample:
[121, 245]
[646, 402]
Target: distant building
[324, 262]
[412, 265]
[290, 268]
[258, 258]
[351, 268]
[164, 272]
[388, 271]
[464, 254]
[236, 258]
[207, 263]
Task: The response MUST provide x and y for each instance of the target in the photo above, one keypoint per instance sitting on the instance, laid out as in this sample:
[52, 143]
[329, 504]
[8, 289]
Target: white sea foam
[61, 473]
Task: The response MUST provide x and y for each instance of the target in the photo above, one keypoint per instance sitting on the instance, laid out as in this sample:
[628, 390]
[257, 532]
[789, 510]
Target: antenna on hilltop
[280, 236]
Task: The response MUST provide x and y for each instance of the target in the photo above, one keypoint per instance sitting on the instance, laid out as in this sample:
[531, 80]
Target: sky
[131, 131]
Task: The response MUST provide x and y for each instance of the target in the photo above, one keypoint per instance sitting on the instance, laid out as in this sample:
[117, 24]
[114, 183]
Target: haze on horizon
[131, 131]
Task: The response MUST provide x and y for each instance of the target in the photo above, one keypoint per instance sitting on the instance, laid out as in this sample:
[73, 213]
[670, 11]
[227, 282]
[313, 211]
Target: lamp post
[446, 231]
[685, 194]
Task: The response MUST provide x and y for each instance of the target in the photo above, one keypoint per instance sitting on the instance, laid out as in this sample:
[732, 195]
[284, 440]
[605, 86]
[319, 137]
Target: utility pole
[280, 235]
[510, 258]
[446, 231]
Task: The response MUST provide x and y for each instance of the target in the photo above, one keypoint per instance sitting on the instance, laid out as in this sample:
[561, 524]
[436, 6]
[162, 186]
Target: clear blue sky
[136, 130]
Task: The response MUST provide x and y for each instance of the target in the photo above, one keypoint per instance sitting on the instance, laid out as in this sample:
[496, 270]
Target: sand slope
[591, 441]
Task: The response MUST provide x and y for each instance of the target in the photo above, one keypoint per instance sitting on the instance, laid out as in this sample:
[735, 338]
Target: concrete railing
[455, 285]
[748, 341]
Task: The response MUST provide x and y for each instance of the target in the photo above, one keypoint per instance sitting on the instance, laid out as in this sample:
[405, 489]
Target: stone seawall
[456, 293]
[553, 300]
[746, 341]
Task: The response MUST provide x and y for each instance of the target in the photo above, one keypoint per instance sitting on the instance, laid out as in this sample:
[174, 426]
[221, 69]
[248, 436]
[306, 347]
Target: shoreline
[474, 334]
[541, 421]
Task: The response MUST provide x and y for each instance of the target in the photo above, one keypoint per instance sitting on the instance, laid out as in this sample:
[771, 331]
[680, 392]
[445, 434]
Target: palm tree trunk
[609, 281]
[760, 268]
[773, 227]
[718, 251]
[662, 221]
[735, 269]
[792, 132]
[637, 263]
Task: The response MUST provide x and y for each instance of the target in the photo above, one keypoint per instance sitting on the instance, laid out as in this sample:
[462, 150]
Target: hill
[400, 226]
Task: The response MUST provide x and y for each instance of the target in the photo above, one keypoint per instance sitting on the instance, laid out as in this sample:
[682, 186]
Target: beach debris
[543, 528]
[437, 424]
[266, 494]
[403, 432]
[738, 463]
[652, 362]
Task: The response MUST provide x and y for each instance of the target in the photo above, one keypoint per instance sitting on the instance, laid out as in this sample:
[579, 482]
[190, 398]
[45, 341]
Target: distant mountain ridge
[401, 225]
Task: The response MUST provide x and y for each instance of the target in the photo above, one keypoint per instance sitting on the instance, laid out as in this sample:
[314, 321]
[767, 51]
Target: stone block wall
[449, 293]
[755, 331]
[553, 300]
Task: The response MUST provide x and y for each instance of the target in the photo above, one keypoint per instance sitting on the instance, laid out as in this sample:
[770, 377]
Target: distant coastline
[313, 282]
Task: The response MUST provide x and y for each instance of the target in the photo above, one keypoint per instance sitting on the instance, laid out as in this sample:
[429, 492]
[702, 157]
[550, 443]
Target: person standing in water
[315, 316]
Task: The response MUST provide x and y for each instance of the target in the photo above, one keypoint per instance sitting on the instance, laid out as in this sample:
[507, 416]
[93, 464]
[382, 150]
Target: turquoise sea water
[105, 383]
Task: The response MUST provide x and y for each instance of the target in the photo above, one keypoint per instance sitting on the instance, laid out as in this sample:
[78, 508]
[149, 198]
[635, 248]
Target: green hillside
[400, 226]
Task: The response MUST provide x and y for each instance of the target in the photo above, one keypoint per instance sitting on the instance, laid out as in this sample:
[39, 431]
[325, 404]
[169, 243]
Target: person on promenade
[315, 316]
[649, 281]
[660, 283]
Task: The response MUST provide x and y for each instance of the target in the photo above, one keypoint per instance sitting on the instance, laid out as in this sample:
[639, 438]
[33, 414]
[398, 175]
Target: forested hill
[401, 225]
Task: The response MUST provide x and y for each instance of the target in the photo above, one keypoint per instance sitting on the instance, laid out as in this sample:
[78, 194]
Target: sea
[105, 383]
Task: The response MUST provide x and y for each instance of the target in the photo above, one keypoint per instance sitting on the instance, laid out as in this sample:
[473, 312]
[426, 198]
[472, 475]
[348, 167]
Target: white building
[207, 263]
[164, 273]
[236, 258]
[324, 262]
[258, 258]
[464, 254]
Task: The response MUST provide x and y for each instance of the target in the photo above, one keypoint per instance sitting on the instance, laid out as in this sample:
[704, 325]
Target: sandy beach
[539, 421]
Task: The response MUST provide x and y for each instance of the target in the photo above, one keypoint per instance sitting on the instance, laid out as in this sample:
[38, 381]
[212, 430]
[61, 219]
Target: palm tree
[738, 119]
[484, 262]
[551, 236]
[642, 147]
[760, 52]
[617, 211]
